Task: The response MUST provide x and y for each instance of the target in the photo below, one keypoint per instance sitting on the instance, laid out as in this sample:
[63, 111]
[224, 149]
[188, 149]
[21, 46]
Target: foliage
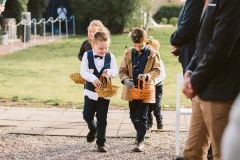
[41, 73]
[39, 6]
[19, 7]
[164, 20]
[173, 21]
[168, 11]
[2, 31]
[113, 14]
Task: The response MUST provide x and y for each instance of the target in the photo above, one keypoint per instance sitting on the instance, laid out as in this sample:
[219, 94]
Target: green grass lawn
[41, 73]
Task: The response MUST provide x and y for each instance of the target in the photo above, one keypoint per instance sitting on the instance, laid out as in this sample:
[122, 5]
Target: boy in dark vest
[139, 62]
[95, 63]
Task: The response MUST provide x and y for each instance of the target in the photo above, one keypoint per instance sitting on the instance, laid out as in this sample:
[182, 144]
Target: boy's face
[139, 46]
[91, 31]
[101, 47]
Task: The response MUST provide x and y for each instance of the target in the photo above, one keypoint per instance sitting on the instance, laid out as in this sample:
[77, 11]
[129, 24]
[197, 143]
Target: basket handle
[143, 83]
[105, 81]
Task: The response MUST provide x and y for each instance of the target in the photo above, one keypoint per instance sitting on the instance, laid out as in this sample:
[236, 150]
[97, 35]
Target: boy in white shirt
[156, 107]
[95, 63]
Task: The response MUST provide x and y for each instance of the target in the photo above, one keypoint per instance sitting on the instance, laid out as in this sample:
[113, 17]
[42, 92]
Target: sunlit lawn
[41, 73]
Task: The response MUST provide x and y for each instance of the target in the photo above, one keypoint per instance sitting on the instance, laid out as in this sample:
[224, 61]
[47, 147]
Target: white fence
[13, 27]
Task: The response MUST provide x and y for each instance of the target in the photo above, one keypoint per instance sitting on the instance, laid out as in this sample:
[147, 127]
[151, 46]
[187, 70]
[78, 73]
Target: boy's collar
[141, 52]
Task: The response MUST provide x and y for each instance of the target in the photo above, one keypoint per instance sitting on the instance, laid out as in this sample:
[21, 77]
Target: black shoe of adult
[91, 135]
[101, 147]
[179, 158]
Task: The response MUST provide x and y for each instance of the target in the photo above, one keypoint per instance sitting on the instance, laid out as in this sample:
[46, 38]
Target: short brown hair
[138, 35]
[100, 36]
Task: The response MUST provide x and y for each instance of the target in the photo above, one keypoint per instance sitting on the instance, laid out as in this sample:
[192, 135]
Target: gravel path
[161, 146]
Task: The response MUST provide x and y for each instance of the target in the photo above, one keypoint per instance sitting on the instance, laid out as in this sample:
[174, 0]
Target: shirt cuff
[189, 71]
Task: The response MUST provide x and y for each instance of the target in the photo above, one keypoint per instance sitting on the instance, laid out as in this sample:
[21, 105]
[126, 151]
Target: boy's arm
[155, 71]
[84, 71]
[113, 71]
[81, 51]
[124, 71]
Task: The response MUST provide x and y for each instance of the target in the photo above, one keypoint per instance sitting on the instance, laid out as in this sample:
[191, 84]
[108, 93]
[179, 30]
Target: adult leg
[102, 110]
[198, 139]
[216, 118]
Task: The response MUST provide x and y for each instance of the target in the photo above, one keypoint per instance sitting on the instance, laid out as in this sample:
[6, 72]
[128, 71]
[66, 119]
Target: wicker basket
[107, 89]
[141, 94]
[77, 78]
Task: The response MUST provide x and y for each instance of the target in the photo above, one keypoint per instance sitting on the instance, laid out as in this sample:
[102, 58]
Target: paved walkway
[69, 122]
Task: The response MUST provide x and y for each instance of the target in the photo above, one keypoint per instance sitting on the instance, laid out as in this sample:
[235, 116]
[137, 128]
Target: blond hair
[138, 35]
[100, 26]
[100, 36]
[154, 43]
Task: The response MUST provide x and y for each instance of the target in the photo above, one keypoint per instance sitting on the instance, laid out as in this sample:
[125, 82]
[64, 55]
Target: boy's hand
[128, 82]
[2, 8]
[175, 51]
[105, 73]
[97, 83]
[140, 76]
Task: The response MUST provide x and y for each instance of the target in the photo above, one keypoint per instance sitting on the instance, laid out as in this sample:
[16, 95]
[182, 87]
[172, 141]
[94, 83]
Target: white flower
[151, 37]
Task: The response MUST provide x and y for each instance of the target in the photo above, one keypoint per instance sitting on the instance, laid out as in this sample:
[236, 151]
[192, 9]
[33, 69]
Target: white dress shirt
[62, 13]
[88, 75]
[162, 75]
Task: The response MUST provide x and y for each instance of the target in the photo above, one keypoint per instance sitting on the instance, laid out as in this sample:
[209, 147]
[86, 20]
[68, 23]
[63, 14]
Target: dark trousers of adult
[100, 107]
[138, 116]
[208, 121]
[156, 107]
[63, 26]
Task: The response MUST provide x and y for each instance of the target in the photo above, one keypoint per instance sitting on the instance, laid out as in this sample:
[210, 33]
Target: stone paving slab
[42, 118]
[72, 113]
[4, 116]
[70, 122]
[20, 112]
[28, 130]
[84, 132]
[111, 133]
[126, 127]
[36, 124]
[109, 121]
[48, 113]
[128, 121]
[10, 123]
[74, 125]
[114, 126]
[62, 132]
[70, 119]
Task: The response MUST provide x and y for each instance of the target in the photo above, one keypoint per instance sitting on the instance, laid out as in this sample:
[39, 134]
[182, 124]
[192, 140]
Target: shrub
[113, 14]
[164, 20]
[167, 11]
[173, 21]
[18, 8]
